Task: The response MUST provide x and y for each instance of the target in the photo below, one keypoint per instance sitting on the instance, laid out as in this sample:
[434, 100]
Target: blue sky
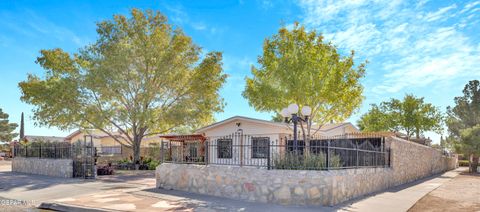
[428, 48]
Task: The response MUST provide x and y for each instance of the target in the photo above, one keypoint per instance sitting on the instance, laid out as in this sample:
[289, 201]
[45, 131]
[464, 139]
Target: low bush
[304, 162]
[104, 170]
[152, 165]
[463, 162]
[143, 167]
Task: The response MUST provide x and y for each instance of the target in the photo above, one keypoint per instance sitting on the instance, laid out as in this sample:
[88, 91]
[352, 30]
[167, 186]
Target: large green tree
[465, 116]
[466, 112]
[6, 128]
[411, 115]
[298, 66]
[140, 77]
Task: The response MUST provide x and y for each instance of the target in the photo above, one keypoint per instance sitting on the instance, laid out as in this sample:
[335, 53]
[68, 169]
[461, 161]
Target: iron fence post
[40, 150]
[206, 152]
[26, 151]
[55, 151]
[268, 155]
[389, 157]
[161, 152]
[328, 155]
[356, 149]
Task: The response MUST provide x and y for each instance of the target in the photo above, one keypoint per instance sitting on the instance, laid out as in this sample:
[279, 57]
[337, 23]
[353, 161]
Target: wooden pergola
[182, 141]
[183, 138]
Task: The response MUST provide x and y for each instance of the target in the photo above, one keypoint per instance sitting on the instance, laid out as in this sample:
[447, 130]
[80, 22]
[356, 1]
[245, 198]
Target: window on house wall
[318, 146]
[224, 148]
[300, 146]
[260, 147]
[192, 150]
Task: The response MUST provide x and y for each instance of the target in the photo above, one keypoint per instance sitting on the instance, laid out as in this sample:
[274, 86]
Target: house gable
[244, 124]
[258, 127]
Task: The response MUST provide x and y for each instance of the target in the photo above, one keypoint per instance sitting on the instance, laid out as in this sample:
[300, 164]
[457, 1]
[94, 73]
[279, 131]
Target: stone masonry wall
[410, 162]
[42, 166]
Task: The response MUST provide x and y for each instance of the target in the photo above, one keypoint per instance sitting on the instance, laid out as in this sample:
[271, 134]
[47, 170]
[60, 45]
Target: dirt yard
[460, 194]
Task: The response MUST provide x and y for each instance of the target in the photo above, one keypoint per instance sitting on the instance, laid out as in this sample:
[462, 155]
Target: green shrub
[125, 160]
[304, 162]
[463, 162]
[152, 165]
[147, 160]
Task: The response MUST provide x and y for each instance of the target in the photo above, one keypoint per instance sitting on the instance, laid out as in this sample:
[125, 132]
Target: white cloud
[469, 6]
[179, 16]
[31, 24]
[199, 26]
[439, 14]
[410, 45]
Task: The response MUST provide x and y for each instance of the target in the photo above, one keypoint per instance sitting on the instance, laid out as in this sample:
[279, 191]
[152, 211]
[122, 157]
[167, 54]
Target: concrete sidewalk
[400, 198]
[137, 192]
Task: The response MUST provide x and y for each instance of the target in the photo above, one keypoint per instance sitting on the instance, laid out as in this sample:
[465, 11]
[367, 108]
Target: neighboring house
[36, 138]
[105, 143]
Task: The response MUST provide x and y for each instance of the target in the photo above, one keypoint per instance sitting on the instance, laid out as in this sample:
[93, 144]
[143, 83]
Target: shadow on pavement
[200, 201]
[345, 205]
[11, 180]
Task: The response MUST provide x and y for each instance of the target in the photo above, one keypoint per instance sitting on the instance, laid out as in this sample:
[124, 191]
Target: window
[224, 148]
[318, 146]
[192, 150]
[300, 146]
[260, 147]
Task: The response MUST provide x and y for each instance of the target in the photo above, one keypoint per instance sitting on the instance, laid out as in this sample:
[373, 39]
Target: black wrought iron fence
[57, 150]
[274, 152]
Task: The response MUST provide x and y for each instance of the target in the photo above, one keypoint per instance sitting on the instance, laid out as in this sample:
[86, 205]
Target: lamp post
[291, 115]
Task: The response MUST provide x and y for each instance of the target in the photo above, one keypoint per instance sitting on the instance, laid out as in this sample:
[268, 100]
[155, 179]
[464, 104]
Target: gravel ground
[459, 194]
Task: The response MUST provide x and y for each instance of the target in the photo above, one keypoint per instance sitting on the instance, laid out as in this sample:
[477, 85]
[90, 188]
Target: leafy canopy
[6, 128]
[298, 66]
[410, 115]
[463, 121]
[375, 120]
[470, 141]
[140, 77]
[466, 112]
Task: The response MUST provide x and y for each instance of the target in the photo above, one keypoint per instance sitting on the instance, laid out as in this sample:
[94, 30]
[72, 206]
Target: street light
[290, 114]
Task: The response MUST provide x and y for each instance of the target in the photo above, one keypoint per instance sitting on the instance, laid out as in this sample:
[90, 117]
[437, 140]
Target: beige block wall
[42, 166]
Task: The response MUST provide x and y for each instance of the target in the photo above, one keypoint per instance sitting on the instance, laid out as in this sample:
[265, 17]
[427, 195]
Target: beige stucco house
[245, 141]
[254, 126]
[230, 133]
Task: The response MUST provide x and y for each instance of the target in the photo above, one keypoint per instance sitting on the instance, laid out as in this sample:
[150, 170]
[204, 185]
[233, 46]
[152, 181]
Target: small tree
[298, 66]
[374, 120]
[6, 128]
[141, 77]
[470, 145]
[410, 115]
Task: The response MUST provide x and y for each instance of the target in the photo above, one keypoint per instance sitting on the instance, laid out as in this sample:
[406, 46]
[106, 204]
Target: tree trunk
[136, 152]
[473, 164]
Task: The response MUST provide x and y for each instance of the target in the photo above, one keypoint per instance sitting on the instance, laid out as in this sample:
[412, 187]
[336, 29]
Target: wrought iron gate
[84, 154]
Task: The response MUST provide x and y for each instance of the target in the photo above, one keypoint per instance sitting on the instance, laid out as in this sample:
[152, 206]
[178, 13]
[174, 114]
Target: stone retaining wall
[410, 162]
[42, 166]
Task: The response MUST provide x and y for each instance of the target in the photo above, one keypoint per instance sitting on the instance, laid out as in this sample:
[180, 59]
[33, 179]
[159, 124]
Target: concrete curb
[69, 208]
